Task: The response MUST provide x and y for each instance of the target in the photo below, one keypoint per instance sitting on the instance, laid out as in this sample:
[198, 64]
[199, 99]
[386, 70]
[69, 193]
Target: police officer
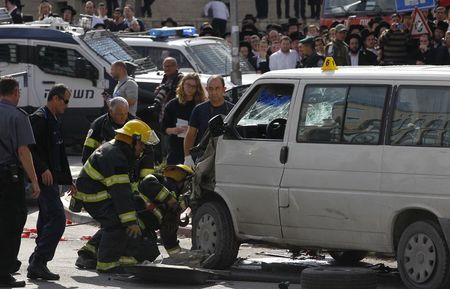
[338, 49]
[15, 157]
[310, 56]
[106, 193]
[51, 164]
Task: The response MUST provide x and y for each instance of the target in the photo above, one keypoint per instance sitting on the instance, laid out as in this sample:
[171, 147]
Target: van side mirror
[216, 126]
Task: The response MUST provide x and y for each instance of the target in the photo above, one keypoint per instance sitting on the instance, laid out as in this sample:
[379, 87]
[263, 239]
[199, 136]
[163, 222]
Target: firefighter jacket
[101, 130]
[105, 181]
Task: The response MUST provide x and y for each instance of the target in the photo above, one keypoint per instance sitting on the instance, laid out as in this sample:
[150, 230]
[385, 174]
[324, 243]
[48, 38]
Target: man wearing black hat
[169, 22]
[439, 33]
[310, 56]
[68, 14]
[262, 8]
[13, 11]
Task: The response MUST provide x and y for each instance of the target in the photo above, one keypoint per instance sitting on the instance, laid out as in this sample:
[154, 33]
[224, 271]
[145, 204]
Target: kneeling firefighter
[166, 196]
[105, 191]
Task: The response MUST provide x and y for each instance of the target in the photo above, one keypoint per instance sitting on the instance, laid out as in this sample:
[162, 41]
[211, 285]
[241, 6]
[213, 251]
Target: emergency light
[166, 32]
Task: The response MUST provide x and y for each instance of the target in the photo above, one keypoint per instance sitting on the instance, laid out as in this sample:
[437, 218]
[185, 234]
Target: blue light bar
[166, 32]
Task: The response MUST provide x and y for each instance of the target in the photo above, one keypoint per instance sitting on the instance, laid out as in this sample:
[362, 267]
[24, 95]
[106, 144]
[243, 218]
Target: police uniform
[13, 212]
[104, 187]
[314, 60]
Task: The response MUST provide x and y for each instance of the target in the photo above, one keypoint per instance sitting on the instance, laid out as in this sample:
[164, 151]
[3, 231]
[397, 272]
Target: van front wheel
[348, 257]
[213, 233]
[423, 257]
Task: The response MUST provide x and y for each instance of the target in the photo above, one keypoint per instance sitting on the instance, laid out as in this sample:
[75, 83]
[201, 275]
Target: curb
[85, 218]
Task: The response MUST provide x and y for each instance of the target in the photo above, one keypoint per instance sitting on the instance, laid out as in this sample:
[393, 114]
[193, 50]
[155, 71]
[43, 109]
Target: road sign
[419, 25]
[410, 5]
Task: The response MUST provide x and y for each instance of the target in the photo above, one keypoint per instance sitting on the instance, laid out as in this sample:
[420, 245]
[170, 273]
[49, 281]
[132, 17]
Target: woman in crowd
[190, 92]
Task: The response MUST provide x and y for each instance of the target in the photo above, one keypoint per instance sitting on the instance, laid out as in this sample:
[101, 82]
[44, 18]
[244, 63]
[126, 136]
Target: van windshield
[334, 8]
[112, 49]
[215, 58]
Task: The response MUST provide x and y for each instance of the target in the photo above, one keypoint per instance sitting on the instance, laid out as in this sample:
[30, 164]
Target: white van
[57, 53]
[354, 160]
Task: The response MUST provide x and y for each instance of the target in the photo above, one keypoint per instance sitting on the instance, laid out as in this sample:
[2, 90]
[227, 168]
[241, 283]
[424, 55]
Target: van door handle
[284, 154]
[48, 82]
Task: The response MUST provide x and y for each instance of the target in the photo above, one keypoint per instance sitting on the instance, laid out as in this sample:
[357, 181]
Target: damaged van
[351, 161]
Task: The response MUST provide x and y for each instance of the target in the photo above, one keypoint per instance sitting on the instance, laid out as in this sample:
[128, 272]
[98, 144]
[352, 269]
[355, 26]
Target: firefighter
[106, 194]
[166, 196]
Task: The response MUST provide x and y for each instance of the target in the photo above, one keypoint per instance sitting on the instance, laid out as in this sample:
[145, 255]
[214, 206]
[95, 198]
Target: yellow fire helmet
[178, 172]
[139, 130]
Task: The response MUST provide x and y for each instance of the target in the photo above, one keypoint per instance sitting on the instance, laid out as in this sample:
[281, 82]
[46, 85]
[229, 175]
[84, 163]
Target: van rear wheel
[348, 257]
[423, 257]
[213, 233]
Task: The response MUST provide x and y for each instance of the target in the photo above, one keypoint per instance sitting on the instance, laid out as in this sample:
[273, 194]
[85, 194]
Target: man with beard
[285, 58]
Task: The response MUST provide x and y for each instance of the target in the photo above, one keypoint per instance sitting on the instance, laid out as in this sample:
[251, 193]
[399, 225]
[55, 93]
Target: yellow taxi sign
[329, 64]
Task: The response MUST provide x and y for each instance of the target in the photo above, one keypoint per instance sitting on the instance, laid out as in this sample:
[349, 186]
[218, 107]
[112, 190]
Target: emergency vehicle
[55, 52]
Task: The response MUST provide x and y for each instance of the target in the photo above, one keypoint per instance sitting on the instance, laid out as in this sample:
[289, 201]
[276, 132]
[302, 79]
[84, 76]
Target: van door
[332, 178]
[248, 165]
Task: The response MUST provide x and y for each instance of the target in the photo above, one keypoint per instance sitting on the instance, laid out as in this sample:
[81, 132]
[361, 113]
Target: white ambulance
[352, 160]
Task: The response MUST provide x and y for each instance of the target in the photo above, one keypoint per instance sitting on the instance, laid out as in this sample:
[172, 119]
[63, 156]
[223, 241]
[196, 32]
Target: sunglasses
[66, 101]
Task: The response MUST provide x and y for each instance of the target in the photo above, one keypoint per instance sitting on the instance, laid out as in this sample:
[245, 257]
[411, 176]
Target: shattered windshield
[215, 58]
[347, 7]
[112, 49]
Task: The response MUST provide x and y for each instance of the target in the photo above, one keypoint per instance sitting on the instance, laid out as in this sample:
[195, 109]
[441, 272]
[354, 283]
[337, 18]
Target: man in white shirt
[285, 58]
[219, 13]
[89, 9]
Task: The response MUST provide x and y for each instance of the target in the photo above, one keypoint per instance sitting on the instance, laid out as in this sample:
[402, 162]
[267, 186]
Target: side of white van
[352, 160]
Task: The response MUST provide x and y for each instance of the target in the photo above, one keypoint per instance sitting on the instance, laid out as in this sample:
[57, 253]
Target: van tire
[348, 257]
[423, 257]
[338, 278]
[213, 232]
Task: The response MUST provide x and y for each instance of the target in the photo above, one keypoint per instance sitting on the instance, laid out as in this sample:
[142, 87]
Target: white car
[353, 160]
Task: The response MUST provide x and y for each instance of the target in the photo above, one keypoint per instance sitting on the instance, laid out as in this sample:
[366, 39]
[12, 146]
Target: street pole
[236, 75]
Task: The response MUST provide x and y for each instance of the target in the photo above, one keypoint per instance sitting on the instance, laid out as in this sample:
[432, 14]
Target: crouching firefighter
[167, 197]
[106, 194]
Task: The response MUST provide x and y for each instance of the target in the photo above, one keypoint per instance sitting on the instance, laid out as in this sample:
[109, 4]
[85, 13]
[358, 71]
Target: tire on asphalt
[338, 278]
[213, 232]
[423, 257]
[348, 257]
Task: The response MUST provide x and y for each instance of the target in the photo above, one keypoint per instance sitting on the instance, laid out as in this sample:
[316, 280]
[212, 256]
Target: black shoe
[86, 263]
[16, 267]
[9, 281]
[40, 271]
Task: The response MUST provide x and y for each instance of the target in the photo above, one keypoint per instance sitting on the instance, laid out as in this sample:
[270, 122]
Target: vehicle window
[59, 61]
[322, 114]
[265, 115]
[157, 55]
[364, 114]
[423, 114]
[342, 114]
[344, 7]
[9, 53]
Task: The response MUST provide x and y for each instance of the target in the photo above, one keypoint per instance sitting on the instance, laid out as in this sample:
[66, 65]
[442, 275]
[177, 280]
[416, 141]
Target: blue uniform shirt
[15, 130]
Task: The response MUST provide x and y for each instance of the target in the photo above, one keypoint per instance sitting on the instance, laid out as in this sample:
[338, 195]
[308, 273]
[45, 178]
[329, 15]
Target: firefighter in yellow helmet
[166, 196]
[106, 194]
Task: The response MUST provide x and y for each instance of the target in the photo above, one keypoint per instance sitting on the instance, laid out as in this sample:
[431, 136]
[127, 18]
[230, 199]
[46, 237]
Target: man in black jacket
[52, 168]
[310, 56]
[14, 11]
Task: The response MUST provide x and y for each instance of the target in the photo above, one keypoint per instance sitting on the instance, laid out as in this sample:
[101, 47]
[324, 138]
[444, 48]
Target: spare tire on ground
[328, 277]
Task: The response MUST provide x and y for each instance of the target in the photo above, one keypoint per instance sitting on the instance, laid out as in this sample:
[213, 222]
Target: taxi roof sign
[329, 64]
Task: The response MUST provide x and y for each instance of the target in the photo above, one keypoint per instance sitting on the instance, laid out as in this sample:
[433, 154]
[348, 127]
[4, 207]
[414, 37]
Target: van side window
[157, 55]
[342, 114]
[322, 114]
[265, 114]
[9, 53]
[421, 117]
[59, 61]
